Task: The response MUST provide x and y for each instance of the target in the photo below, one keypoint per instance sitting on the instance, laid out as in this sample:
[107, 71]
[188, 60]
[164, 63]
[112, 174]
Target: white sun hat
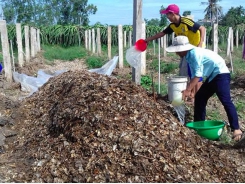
[180, 43]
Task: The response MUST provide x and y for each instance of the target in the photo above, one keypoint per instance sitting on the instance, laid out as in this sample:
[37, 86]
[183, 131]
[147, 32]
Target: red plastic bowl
[141, 45]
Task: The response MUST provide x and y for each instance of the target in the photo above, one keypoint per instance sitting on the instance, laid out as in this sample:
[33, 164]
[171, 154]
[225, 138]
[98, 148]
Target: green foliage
[185, 13]
[61, 35]
[237, 61]
[165, 67]
[170, 67]
[67, 54]
[146, 82]
[152, 30]
[223, 33]
[225, 137]
[43, 12]
[163, 18]
[12, 33]
[212, 10]
[75, 12]
[94, 62]
[213, 114]
[74, 35]
[8, 12]
[152, 22]
[234, 17]
[163, 88]
[240, 107]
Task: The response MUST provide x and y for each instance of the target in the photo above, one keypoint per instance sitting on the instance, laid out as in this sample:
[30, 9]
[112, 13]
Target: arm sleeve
[196, 67]
[195, 27]
[168, 30]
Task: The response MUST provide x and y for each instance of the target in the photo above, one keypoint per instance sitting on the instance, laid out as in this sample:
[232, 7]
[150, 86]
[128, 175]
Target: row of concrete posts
[31, 47]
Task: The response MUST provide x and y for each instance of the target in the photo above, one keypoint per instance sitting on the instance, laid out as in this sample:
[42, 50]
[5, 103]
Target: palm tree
[212, 9]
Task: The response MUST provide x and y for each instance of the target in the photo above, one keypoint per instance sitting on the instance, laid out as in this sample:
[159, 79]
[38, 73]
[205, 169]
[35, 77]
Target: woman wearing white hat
[212, 68]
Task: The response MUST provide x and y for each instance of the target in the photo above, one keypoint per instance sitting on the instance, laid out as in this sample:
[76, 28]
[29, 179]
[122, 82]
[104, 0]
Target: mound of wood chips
[86, 127]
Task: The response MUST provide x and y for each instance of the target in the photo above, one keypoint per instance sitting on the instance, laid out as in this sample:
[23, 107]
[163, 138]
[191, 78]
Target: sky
[115, 12]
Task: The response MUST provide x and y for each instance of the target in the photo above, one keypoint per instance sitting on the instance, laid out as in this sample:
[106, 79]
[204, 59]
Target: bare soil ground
[16, 166]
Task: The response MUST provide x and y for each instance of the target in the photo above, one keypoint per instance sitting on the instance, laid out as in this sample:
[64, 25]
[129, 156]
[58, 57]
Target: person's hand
[200, 45]
[186, 94]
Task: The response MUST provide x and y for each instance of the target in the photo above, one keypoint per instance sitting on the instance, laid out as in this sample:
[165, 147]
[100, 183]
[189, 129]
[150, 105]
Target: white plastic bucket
[176, 84]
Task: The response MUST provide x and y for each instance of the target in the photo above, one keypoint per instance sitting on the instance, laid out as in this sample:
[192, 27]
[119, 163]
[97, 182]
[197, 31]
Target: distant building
[204, 21]
[200, 21]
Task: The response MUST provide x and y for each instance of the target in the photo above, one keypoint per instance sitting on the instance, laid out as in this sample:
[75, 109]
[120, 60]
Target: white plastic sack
[133, 57]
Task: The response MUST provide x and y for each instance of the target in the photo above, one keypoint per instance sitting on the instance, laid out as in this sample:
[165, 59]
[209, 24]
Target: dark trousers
[221, 86]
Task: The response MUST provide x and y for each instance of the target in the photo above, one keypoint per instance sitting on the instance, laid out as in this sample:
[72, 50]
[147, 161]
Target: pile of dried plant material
[86, 127]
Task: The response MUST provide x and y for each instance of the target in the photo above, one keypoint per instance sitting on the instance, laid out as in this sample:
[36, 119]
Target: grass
[146, 82]
[225, 137]
[94, 62]
[163, 88]
[52, 53]
[235, 60]
[165, 67]
[240, 107]
[213, 114]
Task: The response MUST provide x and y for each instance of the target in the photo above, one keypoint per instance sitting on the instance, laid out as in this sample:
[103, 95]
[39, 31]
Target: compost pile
[86, 127]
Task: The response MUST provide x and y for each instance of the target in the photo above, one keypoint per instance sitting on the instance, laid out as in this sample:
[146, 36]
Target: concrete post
[137, 29]
[5, 50]
[19, 45]
[93, 41]
[120, 45]
[215, 38]
[109, 42]
[27, 43]
[98, 42]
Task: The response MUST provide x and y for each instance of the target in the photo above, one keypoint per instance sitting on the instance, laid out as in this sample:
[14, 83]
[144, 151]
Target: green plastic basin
[209, 129]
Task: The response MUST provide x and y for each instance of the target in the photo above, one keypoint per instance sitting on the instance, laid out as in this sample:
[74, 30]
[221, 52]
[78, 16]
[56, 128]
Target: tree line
[76, 12]
[47, 12]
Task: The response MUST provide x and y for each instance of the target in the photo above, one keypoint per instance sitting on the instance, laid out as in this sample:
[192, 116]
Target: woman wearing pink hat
[182, 26]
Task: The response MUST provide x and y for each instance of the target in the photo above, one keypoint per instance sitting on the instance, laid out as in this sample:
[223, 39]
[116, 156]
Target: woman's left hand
[186, 94]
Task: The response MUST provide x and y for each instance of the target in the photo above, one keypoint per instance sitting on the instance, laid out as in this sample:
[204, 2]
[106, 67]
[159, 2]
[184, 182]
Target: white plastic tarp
[31, 84]
[107, 68]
